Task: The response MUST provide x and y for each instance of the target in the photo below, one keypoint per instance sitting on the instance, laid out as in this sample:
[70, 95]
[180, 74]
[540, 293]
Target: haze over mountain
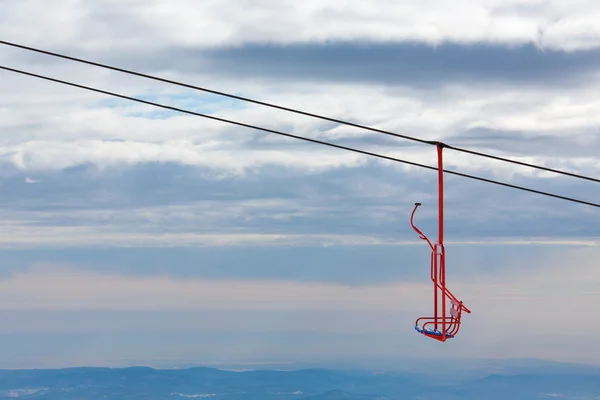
[305, 384]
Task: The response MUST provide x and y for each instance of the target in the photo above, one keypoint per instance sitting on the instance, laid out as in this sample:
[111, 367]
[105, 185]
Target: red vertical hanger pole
[442, 263]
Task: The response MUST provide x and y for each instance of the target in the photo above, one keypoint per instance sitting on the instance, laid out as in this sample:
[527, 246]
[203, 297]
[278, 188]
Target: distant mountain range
[307, 384]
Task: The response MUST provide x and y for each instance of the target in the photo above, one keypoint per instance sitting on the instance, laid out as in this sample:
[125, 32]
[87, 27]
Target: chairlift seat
[428, 331]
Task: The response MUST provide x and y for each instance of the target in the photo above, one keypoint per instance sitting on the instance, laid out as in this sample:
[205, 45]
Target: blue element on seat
[431, 332]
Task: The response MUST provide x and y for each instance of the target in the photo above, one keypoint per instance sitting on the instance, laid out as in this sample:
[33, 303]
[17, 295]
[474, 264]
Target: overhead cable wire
[309, 114]
[364, 152]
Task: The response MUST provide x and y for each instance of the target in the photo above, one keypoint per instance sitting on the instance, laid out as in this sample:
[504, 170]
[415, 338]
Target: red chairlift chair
[445, 322]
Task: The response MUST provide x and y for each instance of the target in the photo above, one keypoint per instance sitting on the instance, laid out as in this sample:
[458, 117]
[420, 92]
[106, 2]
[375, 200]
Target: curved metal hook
[421, 234]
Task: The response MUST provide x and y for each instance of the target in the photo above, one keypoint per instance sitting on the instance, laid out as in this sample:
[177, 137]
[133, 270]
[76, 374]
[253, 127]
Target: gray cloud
[401, 63]
[522, 143]
[370, 200]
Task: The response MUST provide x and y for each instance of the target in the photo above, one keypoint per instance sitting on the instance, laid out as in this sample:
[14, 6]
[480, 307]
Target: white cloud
[143, 24]
[127, 230]
[56, 137]
[44, 155]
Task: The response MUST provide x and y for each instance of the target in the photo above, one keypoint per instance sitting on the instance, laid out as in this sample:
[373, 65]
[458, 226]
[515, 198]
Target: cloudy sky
[133, 233]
